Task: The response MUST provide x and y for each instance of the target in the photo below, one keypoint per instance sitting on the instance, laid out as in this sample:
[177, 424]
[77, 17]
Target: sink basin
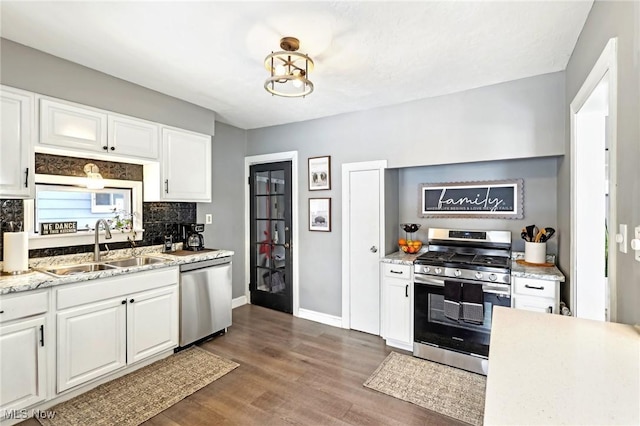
[78, 269]
[135, 261]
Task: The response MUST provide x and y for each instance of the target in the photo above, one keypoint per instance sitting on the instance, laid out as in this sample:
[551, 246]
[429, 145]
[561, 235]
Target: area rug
[140, 395]
[450, 391]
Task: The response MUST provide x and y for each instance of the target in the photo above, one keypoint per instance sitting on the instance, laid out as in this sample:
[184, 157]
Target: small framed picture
[320, 214]
[319, 173]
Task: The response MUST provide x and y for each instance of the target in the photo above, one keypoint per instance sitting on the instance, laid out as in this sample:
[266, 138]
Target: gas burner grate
[490, 261]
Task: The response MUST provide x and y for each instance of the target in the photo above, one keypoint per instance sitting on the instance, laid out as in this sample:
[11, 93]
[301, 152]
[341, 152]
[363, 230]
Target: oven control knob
[457, 272]
[492, 277]
[426, 269]
[478, 275]
[438, 271]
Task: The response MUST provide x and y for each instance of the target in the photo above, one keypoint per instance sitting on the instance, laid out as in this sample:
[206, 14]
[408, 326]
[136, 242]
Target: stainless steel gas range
[457, 282]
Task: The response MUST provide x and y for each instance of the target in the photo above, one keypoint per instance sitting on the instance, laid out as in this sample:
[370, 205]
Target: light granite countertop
[550, 273]
[554, 369]
[401, 258]
[36, 280]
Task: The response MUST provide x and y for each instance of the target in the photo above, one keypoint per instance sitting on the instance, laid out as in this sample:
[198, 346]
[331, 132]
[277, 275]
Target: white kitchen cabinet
[91, 341]
[534, 294]
[152, 323]
[107, 324]
[397, 305]
[17, 115]
[67, 127]
[72, 126]
[132, 137]
[23, 350]
[186, 166]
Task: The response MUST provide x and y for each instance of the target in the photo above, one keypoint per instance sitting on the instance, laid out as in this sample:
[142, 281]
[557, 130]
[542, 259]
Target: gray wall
[540, 185]
[39, 72]
[518, 119]
[227, 207]
[611, 19]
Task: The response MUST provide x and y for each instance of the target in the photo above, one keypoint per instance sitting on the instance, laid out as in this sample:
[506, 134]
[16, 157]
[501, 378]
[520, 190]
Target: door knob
[373, 249]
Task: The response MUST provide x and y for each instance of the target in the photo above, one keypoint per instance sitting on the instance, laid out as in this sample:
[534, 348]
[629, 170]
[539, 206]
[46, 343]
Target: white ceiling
[367, 54]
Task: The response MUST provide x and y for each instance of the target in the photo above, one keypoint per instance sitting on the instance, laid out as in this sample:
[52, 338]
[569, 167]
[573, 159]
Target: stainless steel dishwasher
[205, 299]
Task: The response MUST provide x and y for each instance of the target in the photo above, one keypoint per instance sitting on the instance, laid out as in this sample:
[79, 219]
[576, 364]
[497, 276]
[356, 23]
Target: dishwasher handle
[204, 264]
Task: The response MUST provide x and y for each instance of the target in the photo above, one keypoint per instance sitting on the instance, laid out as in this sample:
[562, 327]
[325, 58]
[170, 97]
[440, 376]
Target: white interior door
[363, 245]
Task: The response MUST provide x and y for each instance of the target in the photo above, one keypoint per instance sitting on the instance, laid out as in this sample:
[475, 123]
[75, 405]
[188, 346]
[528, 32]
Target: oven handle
[500, 289]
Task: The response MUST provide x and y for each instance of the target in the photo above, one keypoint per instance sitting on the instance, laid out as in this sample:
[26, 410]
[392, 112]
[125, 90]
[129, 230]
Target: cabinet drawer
[23, 305]
[534, 287]
[397, 271]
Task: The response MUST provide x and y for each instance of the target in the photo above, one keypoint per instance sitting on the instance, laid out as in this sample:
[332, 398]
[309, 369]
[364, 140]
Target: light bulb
[297, 83]
[279, 70]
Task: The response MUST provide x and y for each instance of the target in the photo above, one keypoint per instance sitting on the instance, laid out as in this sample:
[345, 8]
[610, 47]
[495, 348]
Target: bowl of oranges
[409, 246]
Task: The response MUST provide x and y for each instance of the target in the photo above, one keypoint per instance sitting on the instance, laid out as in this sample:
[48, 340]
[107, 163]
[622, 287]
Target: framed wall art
[319, 173]
[320, 214]
[496, 199]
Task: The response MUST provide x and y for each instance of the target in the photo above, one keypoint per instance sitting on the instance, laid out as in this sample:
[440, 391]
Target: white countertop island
[550, 370]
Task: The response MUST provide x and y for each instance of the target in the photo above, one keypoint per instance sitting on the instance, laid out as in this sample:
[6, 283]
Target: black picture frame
[319, 173]
[320, 214]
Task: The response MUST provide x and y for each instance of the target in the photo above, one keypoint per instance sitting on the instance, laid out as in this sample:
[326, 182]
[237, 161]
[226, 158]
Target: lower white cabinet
[23, 351]
[534, 294]
[397, 305]
[107, 324]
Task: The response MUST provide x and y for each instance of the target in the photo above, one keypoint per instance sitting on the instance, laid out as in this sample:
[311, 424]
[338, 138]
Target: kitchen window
[66, 199]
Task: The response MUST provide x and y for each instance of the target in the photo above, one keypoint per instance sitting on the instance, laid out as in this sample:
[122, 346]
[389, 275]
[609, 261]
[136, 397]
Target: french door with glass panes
[270, 198]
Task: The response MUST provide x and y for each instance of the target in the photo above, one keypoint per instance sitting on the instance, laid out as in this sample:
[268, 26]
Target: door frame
[347, 168]
[607, 64]
[273, 158]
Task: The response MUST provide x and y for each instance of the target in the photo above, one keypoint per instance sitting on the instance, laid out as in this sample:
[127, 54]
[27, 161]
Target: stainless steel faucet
[107, 232]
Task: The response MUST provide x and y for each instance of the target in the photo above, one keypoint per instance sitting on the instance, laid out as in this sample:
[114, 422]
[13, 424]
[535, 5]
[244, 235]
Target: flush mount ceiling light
[289, 70]
[94, 178]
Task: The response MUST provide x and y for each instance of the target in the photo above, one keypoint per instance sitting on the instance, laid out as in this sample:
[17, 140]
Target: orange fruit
[402, 242]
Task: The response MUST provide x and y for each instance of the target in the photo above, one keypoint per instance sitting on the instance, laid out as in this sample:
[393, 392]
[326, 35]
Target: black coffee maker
[192, 238]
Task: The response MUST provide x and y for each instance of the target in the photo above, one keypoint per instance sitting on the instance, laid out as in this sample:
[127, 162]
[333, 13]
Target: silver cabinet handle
[373, 249]
[166, 186]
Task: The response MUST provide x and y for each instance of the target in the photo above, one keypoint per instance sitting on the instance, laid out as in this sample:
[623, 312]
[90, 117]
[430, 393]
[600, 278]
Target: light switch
[621, 239]
[635, 243]
[208, 219]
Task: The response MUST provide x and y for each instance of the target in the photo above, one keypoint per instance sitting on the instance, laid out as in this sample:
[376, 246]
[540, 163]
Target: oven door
[432, 327]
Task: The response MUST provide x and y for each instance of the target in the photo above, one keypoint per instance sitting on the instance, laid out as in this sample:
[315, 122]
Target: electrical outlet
[636, 243]
[208, 219]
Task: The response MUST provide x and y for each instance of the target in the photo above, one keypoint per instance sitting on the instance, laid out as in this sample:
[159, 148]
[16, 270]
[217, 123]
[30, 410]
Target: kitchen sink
[136, 261]
[78, 269]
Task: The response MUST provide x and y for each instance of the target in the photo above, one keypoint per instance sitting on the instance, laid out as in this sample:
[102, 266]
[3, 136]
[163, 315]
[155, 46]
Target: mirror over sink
[67, 199]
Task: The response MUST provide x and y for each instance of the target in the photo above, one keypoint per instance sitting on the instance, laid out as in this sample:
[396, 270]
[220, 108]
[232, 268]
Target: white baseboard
[238, 301]
[320, 317]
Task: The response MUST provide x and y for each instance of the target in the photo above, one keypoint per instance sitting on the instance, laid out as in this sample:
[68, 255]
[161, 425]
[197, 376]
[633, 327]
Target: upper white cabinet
[132, 137]
[186, 166]
[16, 143]
[74, 127]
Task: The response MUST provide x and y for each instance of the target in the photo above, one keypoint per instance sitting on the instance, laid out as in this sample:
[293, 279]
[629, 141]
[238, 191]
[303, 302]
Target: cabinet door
[91, 341]
[397, 316]
[152, 323]
[536, 304]
[16, 149]
[133, 138]
[22, 364]
[186, 166]
[72, 127]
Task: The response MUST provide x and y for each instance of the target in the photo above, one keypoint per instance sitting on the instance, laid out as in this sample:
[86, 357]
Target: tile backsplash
[159, 219]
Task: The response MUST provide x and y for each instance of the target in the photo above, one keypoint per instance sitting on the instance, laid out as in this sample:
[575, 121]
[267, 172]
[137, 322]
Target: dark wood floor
[294, 371]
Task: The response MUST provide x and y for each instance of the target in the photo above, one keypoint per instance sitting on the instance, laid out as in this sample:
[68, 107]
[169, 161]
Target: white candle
[16, 252]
